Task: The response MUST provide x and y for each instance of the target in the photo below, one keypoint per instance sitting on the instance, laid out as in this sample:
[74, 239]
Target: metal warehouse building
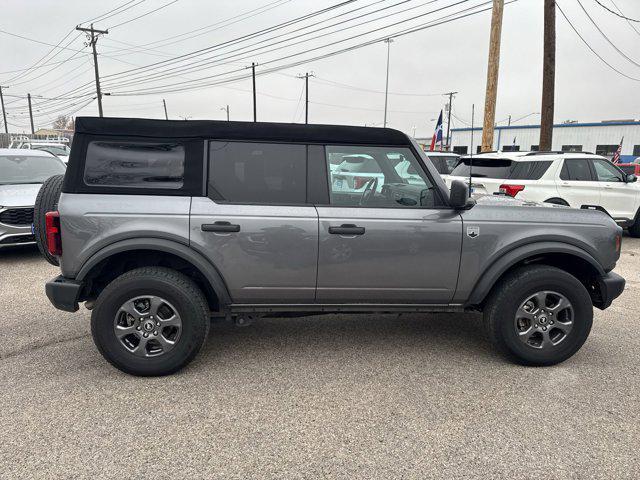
[601, 138]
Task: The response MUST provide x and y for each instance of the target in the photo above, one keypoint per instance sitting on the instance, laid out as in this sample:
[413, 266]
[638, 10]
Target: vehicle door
[577, 185]
[618, 197]
[395, 242]
[255, 224]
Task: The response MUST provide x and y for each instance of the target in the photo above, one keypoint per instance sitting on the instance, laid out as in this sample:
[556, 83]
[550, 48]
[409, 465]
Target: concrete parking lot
[388, 396]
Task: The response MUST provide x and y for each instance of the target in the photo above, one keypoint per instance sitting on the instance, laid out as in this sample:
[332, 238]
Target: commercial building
[601, 138]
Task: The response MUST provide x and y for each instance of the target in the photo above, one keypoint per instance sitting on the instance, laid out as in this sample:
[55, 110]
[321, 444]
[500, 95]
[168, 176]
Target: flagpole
[473, 107]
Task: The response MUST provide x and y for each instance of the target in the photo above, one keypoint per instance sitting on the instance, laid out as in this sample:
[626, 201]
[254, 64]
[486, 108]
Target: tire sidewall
[112, 298]
[579, 298]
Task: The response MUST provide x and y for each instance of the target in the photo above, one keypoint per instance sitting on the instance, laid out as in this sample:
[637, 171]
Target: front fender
[491, 275]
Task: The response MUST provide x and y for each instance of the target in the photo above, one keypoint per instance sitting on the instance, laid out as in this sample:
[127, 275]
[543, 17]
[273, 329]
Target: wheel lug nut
[155, 333]
[536, 325]
[551, 322]
[138, 328]
[157, 324]
[544, 328]
[146, 335]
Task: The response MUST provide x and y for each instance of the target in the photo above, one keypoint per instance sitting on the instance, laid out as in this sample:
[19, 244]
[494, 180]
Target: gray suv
[163, 225]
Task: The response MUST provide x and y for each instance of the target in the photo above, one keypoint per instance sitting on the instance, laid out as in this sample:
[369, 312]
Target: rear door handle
[220, 227]
[565, 184]
[347, 229]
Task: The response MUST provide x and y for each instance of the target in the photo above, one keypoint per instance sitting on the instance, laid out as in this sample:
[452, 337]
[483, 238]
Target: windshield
[18, 169]
[55, 150]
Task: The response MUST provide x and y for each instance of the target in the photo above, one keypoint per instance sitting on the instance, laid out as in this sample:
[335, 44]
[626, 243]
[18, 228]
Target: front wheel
[539, 315]
[150, 321]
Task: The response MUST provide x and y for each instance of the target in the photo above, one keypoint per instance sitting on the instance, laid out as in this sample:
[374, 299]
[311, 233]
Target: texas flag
[437, 135]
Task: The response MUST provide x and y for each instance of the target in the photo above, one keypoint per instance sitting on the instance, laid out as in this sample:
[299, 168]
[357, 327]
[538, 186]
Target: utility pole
[509, 124]
[492, 76]
[33, 130]
[548, 75]
[226, 109]
[4, 113]
[92, 35]
[388, 41]
[253, 75]
[450, 94]
[166, 117]
[306, 99]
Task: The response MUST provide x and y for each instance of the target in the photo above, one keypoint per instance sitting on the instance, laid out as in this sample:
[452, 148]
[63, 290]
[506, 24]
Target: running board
[342, 307]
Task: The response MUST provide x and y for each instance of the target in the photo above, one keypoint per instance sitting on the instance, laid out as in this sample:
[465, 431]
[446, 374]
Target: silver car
[22, 173]
[162, 225]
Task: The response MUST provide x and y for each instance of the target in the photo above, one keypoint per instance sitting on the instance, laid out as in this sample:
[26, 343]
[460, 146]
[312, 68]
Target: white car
[580, 180]
[444, 162]
[58, 146]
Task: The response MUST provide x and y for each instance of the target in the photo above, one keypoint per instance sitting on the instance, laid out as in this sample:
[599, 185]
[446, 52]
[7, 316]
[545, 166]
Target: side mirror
[631, 178]
[459, 195]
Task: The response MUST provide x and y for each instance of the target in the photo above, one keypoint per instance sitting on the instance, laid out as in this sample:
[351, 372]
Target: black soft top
[213, 129]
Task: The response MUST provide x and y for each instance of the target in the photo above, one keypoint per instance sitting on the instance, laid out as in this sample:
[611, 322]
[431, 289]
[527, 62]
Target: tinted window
[15, 169]
[628, 169]
[577, 170]
[444, 165]
[483, 167]
[266, 173]
[135, 164]
[529, 170]
[396, 181]
[571, 148]
[606, 150]
[636, 150]
[462, 150]
[606, 172]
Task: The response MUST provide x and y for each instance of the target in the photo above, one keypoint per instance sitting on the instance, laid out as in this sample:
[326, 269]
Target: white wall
[587, 136]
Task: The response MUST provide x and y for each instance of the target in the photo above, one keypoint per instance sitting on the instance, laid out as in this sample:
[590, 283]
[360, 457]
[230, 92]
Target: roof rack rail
[551, 152]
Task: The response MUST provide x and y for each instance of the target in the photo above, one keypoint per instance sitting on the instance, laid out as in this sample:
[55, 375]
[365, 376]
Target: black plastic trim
[610, 287]
[64, 293]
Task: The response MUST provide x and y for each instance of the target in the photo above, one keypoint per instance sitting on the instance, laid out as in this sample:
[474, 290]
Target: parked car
[266, 232]
[580, 180]
[60, 151]
[629, 168]
[22, 173]
[58, 146]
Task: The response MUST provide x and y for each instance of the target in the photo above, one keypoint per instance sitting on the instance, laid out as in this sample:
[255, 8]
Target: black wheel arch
[122, 256]
[557, 201]
[569, 258]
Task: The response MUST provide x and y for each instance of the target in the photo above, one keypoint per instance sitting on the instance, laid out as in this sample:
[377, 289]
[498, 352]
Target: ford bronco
[159, 226]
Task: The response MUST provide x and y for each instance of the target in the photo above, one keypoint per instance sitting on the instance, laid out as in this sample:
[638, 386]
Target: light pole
[226, 109]
[386, 88]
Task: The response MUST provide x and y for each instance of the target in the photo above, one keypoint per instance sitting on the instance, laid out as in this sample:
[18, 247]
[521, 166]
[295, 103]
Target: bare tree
[71, 124]
[60, 123]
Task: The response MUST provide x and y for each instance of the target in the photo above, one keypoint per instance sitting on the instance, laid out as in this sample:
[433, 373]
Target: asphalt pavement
[337, 396]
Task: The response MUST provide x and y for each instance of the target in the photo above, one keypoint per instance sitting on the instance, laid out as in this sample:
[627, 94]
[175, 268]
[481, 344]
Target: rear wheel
[539, 315]
[150, 321]
[46, 201]
[557, 201]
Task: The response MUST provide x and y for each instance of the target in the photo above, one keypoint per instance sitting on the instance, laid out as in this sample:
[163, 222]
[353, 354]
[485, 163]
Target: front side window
[135, 164]
[389, 177]
[264, 173]
[605, 172]
[18, 169]
[576, 170]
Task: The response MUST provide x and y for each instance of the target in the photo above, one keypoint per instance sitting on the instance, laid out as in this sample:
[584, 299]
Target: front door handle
[347, 229]
[220, 227]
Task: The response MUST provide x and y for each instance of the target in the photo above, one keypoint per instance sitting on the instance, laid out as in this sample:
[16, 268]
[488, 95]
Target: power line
[591, 48]
[440, 21]
[605, 35]
[139, 80]
[628, 22]
[621, 15]
[144, 14]
[36, 41]
[109, 14]
[353, 87]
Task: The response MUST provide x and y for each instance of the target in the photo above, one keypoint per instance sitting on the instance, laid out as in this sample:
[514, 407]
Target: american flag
[616, 156]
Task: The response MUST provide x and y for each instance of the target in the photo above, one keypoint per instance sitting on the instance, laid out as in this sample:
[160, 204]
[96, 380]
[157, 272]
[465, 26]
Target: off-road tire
[508, 295]
[46, 201]
[180, 291]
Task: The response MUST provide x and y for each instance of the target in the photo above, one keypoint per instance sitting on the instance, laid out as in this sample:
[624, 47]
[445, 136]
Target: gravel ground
[340, 396]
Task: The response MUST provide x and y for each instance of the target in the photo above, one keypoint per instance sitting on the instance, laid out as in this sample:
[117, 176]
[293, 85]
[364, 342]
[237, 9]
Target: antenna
[473, 108]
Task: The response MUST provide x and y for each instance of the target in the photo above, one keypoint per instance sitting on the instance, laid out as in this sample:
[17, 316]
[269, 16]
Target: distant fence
[6, 139]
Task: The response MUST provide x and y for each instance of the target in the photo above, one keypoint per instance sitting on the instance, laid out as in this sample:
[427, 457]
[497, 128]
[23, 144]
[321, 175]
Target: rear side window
[135, 164]
[529, 170]
[264, 173]
[483, 167]
[577, 170]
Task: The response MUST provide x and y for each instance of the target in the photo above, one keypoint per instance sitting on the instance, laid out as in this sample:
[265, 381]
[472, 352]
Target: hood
[19, 195]
[507, 201]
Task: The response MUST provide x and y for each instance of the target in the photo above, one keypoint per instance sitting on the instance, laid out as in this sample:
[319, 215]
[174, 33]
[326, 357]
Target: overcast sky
[448, 57]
